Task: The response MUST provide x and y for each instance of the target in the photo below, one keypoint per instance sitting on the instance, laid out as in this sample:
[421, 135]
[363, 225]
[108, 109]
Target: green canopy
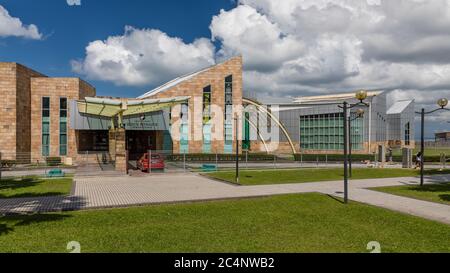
[114, 107]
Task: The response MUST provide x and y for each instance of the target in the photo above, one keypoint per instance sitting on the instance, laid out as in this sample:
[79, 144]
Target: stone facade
[193, 87]
[15, 111]
[54, 88]
[121, 154]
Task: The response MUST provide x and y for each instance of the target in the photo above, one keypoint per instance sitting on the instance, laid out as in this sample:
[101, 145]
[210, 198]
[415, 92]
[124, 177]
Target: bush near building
[53, 161]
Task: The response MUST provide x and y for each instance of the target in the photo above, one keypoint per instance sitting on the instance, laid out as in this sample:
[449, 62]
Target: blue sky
[291, 48]
[67, 30]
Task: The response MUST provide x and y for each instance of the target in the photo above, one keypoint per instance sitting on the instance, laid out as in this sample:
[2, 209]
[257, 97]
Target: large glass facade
[228, 126]
[63, 126]
[326, 132]
[45, 126]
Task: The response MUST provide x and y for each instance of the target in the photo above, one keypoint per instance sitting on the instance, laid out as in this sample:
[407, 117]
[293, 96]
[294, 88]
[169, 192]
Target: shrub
[53, 161]
[220, 157]
[7, 163]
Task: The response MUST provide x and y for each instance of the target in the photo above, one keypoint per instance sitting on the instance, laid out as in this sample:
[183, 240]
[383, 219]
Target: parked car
[157, 162]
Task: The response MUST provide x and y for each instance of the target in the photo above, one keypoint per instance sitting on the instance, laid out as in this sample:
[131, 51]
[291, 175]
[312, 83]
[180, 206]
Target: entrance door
[139, 142]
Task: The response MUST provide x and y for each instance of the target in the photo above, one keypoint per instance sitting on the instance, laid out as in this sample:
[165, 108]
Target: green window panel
[207, 138]
[63, 126]
[325, 132]
[167, 141]
[45, 131]
[184, 138]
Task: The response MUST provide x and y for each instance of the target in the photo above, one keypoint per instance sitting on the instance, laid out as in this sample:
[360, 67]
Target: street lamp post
[236, 121]
[359, 114]
[442, 103]
[361, 96]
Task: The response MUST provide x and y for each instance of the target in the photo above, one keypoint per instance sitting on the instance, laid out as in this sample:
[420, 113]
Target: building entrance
[139, 142]
[93, 141]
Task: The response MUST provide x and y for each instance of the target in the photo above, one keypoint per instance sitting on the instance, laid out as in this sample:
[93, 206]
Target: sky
[290, 48]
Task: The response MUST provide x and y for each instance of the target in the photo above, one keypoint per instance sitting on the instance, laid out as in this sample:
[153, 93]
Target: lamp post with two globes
[442, 103]
[359, 114]
[361, 96]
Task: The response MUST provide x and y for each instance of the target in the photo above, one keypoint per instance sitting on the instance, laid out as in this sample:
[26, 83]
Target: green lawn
[33, 186]
[439, 193]
[289, 223]
[429, 151]
[264, 177]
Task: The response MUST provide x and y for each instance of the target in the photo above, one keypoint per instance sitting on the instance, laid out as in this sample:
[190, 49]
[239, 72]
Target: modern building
[315, 125]
[442, 137]
[34, 113]
[43, 117]
[62, 117]
[401, 124]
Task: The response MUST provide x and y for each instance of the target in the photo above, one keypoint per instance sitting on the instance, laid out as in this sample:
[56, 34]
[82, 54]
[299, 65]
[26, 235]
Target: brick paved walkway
[105, 192]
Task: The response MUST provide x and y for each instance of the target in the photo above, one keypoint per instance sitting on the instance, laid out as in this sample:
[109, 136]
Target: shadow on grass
[27, 211]
[11, 221]
[432, 188]
[4, 229]
[32, 195]
[337, 199]
[18, 183]
[445, 197]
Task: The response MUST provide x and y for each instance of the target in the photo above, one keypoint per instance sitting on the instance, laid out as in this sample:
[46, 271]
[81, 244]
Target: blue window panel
[184, 141]
[46, 145]
[207, 138]
[228, 147]
[167, 141]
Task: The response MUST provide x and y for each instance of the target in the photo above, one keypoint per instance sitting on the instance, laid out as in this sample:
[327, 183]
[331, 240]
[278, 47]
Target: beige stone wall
[55, 88]
[285, 148]
[194, 88]
[23, 128]
[121, 157]
[15, 124]
[273, 147]
[8, 110]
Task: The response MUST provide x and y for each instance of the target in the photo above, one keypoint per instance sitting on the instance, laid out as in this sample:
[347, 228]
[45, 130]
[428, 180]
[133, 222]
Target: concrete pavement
[107, 192]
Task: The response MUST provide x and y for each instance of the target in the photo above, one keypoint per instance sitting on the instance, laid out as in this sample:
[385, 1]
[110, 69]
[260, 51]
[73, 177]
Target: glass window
[206, 104]
[63, 107]
[63, 126]
[325, 132]
[45, 131]
[184, 112]
[45, 103]
[228, 114]
[408, 134]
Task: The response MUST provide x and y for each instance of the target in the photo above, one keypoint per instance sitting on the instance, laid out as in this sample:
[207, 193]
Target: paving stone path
[123, 191]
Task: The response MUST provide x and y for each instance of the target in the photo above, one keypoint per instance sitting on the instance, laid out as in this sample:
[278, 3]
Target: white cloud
[12, 26]
[297, 47]
[338, 45]
[245, 31]
[74, 2]
[143, 56]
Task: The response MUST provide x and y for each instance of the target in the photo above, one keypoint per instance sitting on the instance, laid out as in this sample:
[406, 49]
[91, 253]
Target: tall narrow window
[408, 134]
[184, 129]
[206, 104]
[269, 118]
[45, 126]
[228, 114]
[63, 126]
[246, 132]
[207, 119]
